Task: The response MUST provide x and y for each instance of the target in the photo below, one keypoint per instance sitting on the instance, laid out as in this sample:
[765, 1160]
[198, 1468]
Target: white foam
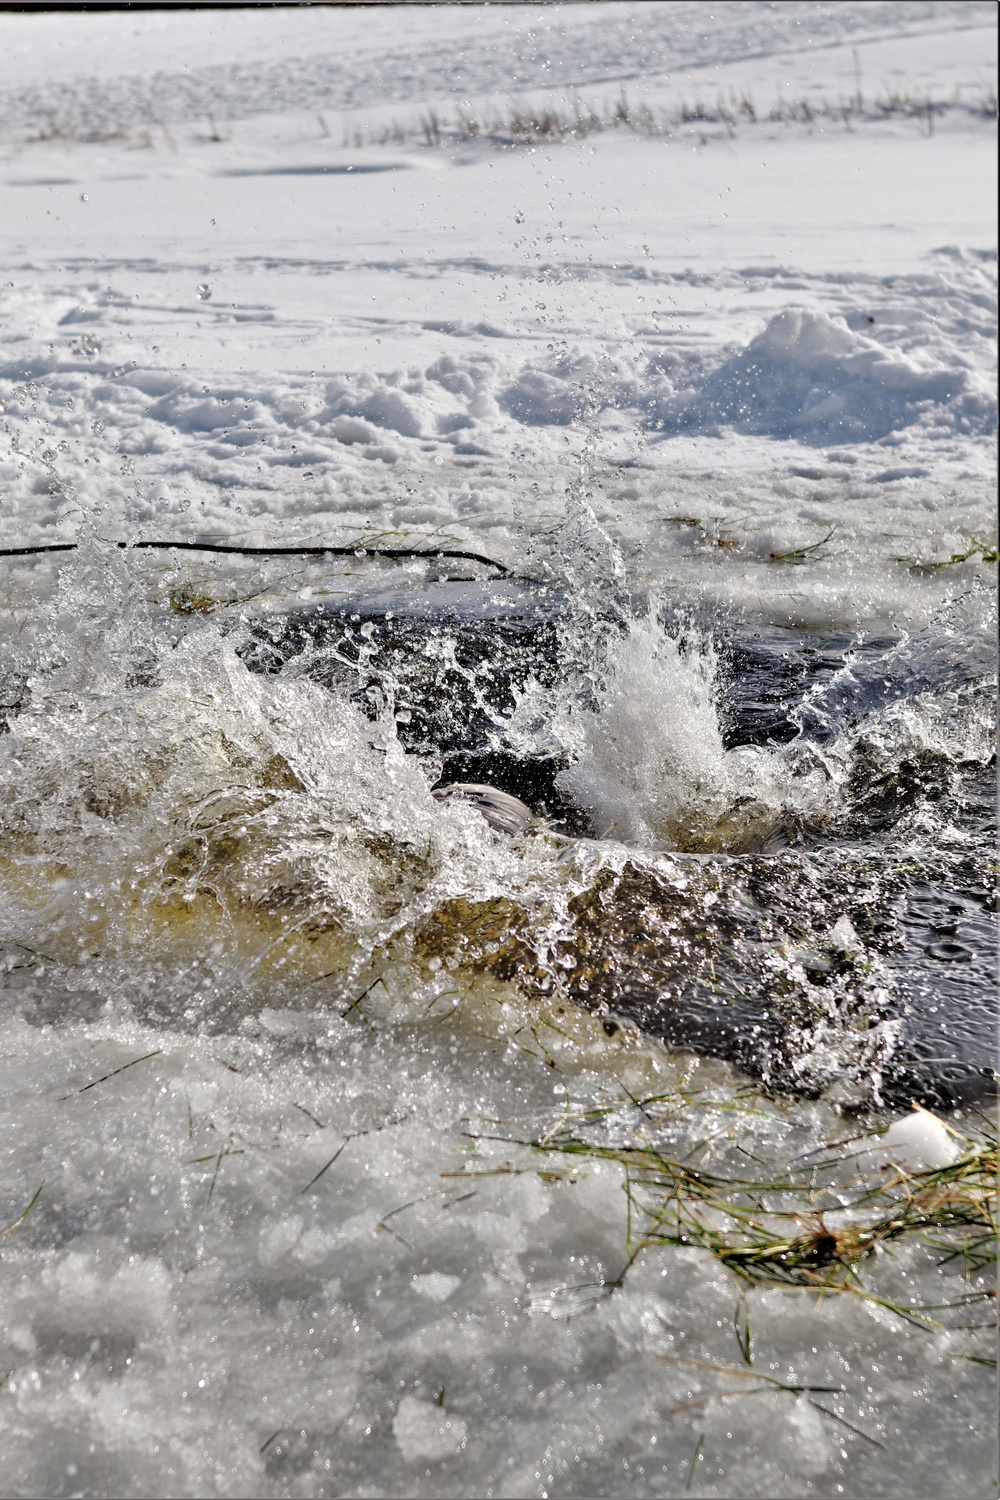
[650, 767]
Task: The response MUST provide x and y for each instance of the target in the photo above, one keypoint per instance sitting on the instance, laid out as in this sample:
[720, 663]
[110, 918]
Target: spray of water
[649, 766]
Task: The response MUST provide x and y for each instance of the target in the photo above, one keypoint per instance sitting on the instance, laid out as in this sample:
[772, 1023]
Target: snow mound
[448, 397]
[808, 375]
[563, 393]
[540, 399]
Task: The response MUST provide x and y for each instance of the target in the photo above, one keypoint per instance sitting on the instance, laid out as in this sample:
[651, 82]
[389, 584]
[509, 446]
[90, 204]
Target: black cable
[271, 551]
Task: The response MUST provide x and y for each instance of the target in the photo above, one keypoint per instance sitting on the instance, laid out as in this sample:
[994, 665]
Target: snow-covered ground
[281, 334]
[252, 291]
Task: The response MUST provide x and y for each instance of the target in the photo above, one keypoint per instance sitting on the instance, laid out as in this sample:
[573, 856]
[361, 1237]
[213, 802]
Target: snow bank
[809, 376]
[806, 376]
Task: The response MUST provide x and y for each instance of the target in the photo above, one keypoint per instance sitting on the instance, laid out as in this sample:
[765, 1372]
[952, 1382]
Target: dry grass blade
[157, 1052]
[23, 1214]
[799, 554]
[759, 1384]
[695, 1460]
[794, 1244]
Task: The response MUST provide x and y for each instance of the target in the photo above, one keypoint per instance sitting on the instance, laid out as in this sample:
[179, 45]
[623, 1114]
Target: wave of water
[160, 797]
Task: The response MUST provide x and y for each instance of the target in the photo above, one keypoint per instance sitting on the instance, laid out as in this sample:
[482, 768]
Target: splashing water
[650, 765]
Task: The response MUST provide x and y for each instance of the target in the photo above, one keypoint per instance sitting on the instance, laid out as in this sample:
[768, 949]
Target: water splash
[650, 767]
[649, 760]
[178, 825]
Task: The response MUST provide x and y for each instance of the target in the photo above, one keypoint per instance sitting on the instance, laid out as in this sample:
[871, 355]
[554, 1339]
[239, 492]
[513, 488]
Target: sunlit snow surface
[276, 1022]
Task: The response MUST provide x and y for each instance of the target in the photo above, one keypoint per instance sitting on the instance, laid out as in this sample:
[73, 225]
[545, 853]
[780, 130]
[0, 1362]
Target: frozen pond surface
[366, 1151]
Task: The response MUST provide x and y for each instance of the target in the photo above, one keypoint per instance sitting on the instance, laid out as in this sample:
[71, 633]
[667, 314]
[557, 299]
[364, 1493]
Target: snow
[355, 324]
[293, 1246]
[808, 374]
[218, 62]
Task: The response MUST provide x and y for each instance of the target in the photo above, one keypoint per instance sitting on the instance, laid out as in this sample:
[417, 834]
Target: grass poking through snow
[803, 1230]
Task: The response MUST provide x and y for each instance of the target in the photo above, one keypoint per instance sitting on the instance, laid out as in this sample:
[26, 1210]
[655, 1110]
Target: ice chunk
[920, 1142]
[436, 1285]
[843, 936]
[277, 1239]
[425, 1432]
[86, 1295]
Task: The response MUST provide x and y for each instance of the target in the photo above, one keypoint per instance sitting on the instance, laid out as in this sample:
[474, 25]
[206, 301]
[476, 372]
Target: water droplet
[84, 198]
[88, 344]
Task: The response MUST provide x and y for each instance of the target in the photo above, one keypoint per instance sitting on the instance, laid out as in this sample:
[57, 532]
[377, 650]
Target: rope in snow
[273, 551]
